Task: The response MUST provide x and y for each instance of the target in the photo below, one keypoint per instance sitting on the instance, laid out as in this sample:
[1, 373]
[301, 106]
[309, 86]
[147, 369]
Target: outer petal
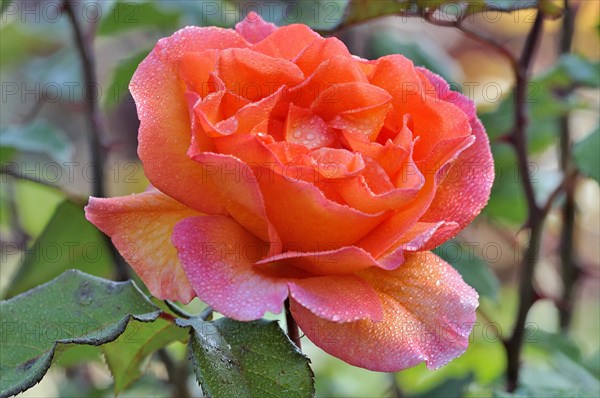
[140, 227]
[338, 298]
[217, 255]
[466, 187]
[428, 314]
[165, 127]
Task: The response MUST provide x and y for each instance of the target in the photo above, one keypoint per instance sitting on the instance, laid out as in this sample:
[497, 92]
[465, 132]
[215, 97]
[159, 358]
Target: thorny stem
[97, 151]
[535, 215]
[292, 327]
[569, 268]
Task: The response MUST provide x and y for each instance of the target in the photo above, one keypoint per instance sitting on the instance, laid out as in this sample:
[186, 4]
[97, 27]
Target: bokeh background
[48, 171]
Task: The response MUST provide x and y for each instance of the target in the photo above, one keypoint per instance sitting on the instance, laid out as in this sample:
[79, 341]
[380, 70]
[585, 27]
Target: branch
[536, 216]
[97, 151]
[568, 265]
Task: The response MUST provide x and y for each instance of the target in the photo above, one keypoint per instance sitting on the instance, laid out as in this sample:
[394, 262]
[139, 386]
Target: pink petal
[337, 298]
[140, 227]
[217, 255]
[253, 28]
[428, 314]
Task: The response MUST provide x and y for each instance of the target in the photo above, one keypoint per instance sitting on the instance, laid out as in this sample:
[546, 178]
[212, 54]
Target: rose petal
[308, 129]
[467, 185]
[239, 192]
[428, 314]
[310, 220]
[333, 163]
[287, 41]
[331, 72]
[195, 70]
[340, 298]
[164, 134]
[217, 255]
[344, 99]
[253, 28]
[433, 120]
[140, 227]
[391, 231]
[253, 75]
[342, 261]
[321, 50]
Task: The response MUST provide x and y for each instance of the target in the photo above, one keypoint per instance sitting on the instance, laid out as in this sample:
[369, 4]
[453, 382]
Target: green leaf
[473, 269]
[59, 248]
[586, 155]
[127, 15]
[247, 359]
[6, 154]
[121, 78]
[559, 369]
[36, 203]
[74, 308]
[18, 44]
[573, 70]
[38, 137]
[126, 355]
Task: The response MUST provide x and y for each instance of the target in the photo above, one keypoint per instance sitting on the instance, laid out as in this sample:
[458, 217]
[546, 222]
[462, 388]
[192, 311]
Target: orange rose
[283, 166]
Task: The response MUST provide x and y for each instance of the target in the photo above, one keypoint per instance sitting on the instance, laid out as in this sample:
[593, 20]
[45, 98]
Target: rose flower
[283, 167]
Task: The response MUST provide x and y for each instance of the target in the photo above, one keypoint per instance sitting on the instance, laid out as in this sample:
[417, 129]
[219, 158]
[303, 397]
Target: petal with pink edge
[429, 312]
[140, 227]
[466, 188]
[340, 298]
[165, 126]
[217, 255]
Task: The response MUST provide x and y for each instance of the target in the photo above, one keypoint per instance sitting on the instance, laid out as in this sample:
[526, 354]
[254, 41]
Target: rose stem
[292, 327]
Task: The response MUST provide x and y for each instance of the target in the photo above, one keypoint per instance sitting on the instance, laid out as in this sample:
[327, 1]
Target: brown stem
[97, 151]
[568, 264]
[292, 327]
[536, 214]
